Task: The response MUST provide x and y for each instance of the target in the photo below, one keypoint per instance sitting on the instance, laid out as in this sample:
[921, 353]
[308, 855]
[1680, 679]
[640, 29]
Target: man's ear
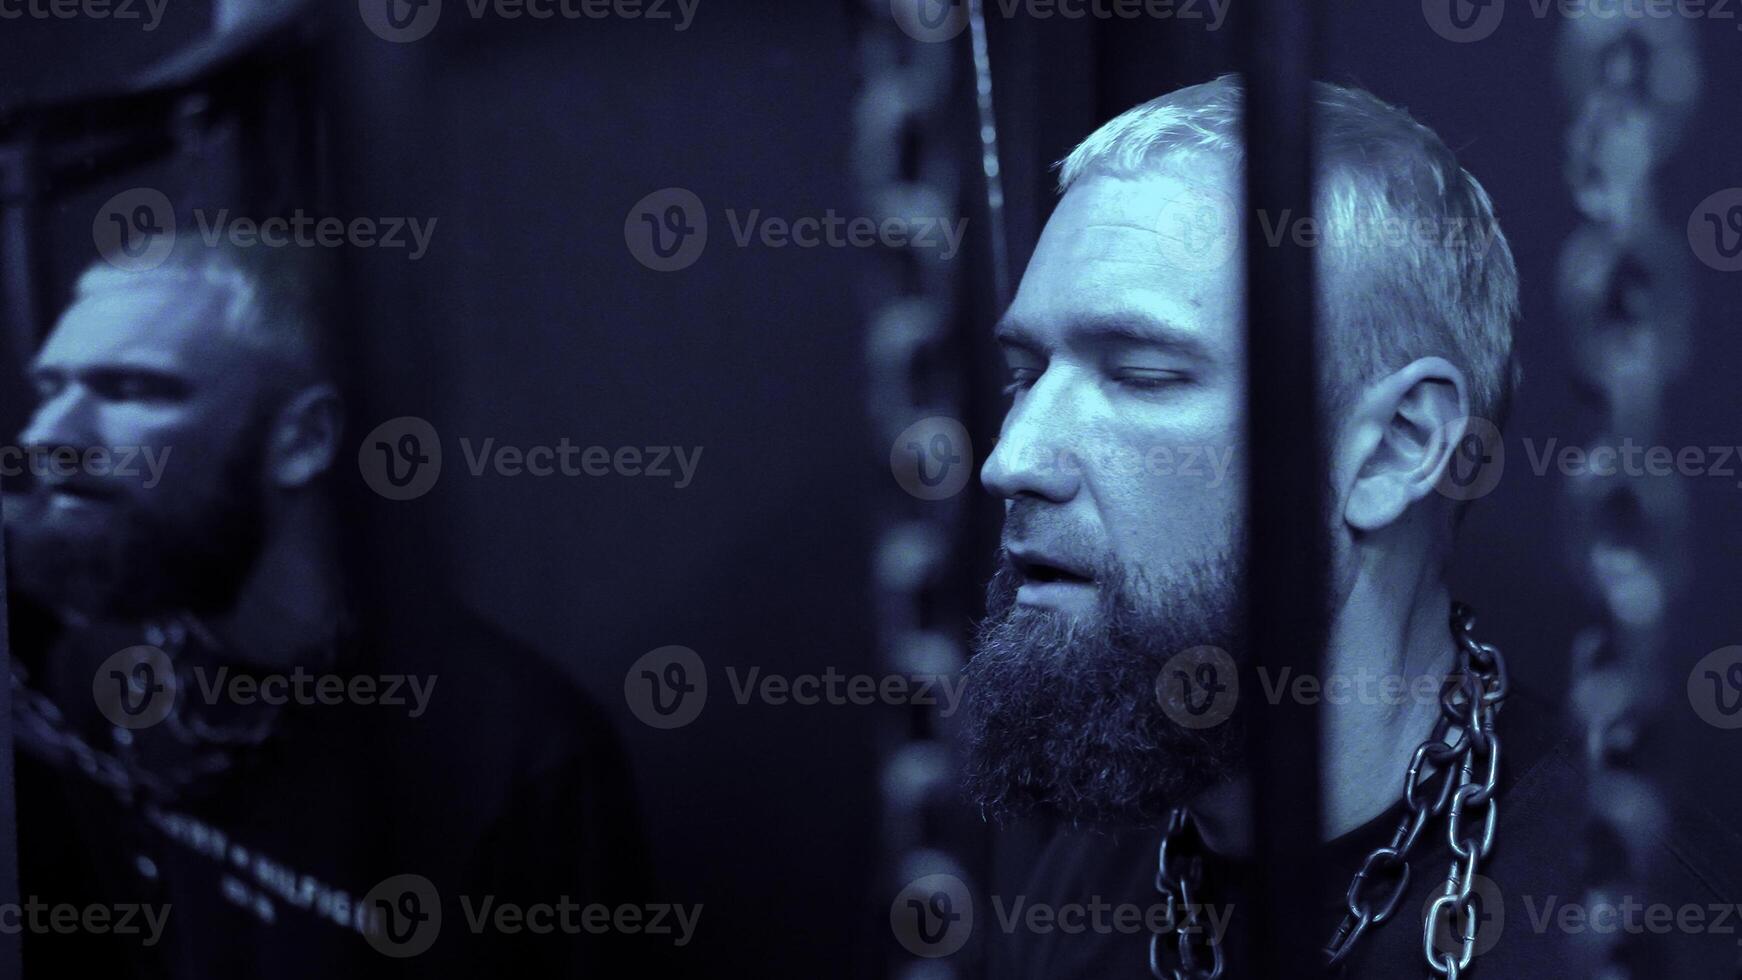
[305, 437]
[1399, 440]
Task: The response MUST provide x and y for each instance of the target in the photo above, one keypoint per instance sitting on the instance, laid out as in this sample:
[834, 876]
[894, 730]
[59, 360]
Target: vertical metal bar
[11, 949]
[1288, 554]
[19, 262]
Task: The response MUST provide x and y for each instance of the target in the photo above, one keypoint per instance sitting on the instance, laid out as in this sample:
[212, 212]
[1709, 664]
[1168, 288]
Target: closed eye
[1141, 379]
[1021, 379]
[136, 385]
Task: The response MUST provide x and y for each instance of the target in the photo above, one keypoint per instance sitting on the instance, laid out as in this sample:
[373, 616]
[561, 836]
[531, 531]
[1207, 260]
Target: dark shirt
[509, 789]
[1537, 869]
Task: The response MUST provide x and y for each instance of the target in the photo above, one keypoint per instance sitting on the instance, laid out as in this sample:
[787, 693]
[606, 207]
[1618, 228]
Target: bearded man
[216, 726]
[1114, 616]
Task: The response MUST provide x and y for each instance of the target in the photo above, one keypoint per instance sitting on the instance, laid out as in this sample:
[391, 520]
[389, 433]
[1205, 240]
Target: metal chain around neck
[1442, 780]
[43, 731]
[1179, 873]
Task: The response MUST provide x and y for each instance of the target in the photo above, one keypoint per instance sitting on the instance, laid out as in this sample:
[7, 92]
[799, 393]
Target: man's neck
[1379, 698]
[290, 600]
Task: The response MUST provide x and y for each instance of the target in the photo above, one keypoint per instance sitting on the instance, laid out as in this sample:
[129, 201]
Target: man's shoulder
[487, 687]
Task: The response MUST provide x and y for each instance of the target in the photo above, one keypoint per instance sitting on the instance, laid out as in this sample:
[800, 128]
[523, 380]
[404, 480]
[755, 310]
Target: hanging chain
[42, 730]
[1472, 804]
[1469, 702]
[1179, 874]
[1442, 780]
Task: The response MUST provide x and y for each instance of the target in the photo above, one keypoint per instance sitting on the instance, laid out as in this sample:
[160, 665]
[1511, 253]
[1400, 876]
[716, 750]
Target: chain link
[1179, 872]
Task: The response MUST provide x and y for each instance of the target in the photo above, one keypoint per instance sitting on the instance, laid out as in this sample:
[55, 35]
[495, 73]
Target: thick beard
[192, 554]
[1062, 710]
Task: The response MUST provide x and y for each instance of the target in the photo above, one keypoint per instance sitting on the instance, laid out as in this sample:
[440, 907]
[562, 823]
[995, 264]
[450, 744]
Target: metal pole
[1288, 556]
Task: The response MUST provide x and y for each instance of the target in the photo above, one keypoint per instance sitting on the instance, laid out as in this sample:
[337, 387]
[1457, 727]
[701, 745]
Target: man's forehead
[1113, 250]
[154, 322]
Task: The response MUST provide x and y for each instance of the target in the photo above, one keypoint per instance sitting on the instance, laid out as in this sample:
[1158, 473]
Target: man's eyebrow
[108, 373]
[1134, 329]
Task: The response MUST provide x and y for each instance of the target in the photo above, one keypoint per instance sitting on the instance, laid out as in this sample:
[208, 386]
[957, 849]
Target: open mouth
[1041, 570]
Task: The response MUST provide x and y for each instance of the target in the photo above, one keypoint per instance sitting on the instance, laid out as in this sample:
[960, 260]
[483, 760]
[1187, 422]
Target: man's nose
[60, 420]
[1036, 455]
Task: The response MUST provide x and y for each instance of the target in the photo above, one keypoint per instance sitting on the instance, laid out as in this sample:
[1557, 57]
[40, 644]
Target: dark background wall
[530, 322]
